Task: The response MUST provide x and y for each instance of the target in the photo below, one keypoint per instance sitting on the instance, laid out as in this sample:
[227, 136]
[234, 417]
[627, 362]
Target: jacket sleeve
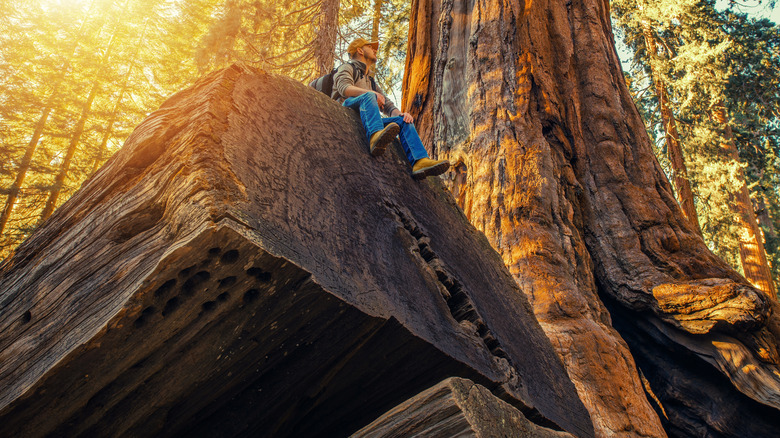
[389, 105]
[342, 79]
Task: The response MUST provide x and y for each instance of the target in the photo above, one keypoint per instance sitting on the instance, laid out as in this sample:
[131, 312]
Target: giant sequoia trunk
[552, 162]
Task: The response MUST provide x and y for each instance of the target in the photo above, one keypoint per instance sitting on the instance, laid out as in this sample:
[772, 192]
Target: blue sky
[753, 8]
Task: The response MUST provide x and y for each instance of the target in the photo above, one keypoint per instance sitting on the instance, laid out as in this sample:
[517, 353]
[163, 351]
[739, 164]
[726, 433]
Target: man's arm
[390, 109]
[353, 91]
[344, 84]
[407, 117]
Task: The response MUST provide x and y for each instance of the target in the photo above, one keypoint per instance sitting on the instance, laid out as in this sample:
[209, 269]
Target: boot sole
[387, 135]
[435, 170]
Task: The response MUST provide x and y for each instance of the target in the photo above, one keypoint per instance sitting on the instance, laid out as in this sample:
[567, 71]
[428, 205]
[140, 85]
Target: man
[354, 88]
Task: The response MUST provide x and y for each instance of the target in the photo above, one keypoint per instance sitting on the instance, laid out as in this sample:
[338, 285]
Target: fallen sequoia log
[243, 267]
[454, 408]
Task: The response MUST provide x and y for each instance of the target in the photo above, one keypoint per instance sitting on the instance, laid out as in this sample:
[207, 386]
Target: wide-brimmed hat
[360, 42]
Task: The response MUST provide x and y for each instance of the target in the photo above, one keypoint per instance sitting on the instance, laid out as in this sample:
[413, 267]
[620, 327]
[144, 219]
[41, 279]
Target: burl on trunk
[552, 162]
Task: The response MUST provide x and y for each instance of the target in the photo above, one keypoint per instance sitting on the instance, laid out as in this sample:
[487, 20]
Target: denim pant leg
[369, 112]
[410, 140]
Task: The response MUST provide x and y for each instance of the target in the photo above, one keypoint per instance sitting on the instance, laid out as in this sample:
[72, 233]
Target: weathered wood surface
[552, 162]
[242, 266]
[455, 408]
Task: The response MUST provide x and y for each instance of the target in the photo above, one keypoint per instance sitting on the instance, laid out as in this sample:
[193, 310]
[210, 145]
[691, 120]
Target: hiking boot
[427, 167]
[380, 139]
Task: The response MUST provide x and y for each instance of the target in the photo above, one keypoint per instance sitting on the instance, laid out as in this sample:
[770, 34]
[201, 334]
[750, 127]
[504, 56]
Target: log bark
[455, 408]
[552, 162]
[243, 267]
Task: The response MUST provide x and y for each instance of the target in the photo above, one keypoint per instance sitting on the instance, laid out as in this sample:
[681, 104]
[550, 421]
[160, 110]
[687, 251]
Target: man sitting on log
[354, 88]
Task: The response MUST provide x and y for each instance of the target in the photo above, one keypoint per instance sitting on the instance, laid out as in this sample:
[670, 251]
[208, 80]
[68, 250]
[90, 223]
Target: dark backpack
[324, 83]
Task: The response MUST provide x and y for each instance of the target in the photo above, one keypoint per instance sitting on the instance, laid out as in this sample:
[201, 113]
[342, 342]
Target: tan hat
[360, 42]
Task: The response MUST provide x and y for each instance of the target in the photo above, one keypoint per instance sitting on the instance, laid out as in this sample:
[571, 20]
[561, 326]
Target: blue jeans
[373, 122]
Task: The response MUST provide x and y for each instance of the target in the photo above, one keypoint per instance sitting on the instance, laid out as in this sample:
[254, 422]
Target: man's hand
[407, 117]
[380, 99]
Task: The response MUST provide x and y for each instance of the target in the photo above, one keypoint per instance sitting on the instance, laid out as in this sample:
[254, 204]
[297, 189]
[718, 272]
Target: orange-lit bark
[477, 103]
[751, 246]
[376, 20]
[552, 162]
[676, 157]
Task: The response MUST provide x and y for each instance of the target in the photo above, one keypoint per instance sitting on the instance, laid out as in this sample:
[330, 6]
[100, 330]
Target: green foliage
[52, 57]
[710, 57]
[393, 34]
[131, 55]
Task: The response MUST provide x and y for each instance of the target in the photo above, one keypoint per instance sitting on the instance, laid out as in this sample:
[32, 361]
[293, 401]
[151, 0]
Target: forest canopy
[79, 75]
[706, 79]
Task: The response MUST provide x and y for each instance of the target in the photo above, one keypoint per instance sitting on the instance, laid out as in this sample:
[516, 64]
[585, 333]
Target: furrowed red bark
[552, 162]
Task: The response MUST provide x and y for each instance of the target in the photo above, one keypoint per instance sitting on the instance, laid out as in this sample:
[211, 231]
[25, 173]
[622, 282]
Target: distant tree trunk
[676, 157]
[99, 156]
[552, 162]
[751, 246]
[764, 217]
[78, 131]
[59, 180]
[101, 152]
[376, 20]
[325, 42]
[24, 166]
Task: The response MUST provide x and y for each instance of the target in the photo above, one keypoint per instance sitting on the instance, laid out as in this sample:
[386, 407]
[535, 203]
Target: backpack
[324, 83]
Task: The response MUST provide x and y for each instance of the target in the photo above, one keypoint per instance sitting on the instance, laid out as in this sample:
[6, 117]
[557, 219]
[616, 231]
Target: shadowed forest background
[77, 76]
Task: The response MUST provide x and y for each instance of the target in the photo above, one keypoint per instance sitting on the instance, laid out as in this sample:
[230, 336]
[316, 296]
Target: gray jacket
[344, 78]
